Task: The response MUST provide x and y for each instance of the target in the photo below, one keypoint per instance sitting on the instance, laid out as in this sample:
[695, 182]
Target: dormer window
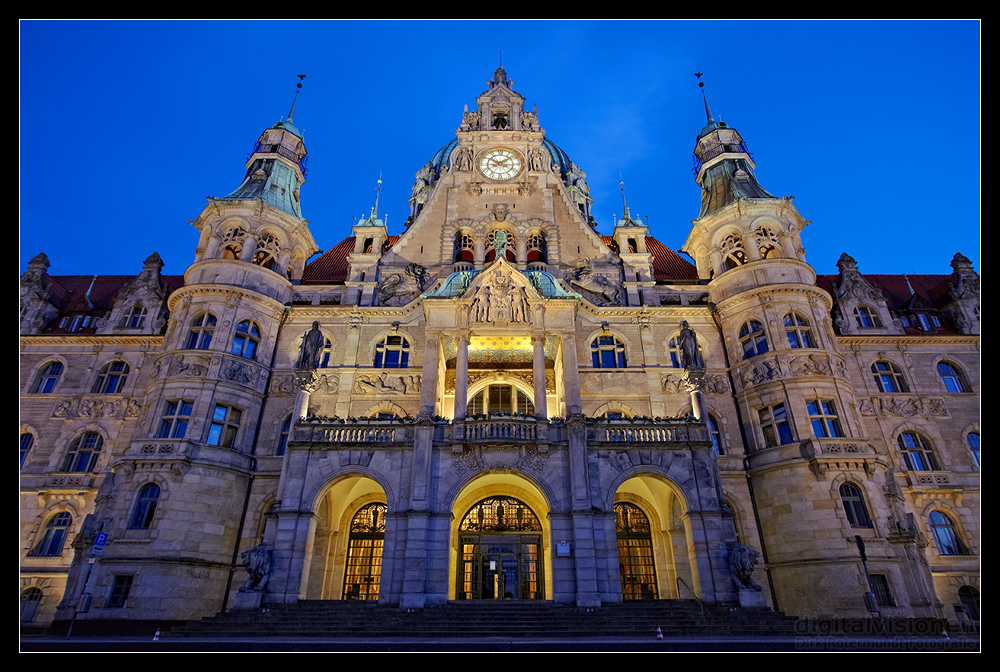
[867, 318]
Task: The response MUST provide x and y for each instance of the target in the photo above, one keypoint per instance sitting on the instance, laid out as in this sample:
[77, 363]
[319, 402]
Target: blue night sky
[126, 127]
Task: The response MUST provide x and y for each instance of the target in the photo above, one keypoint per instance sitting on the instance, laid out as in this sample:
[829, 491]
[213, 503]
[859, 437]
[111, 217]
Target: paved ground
[403, 644]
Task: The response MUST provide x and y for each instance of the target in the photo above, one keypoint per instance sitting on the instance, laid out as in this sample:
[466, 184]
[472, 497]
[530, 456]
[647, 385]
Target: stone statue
[312, 348]
[742, 560]
[258, 565]
[687, 346]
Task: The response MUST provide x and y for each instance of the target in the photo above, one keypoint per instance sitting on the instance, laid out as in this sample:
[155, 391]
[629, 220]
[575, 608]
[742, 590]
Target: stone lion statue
[742, 560]
[258, 565]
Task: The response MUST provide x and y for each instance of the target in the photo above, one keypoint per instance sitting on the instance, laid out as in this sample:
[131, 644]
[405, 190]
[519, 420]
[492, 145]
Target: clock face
[500, 164]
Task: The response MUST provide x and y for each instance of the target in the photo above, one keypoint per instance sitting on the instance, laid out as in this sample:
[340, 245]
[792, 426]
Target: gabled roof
[667, 264]
[933, 289]
[332, 266]
[69, 293]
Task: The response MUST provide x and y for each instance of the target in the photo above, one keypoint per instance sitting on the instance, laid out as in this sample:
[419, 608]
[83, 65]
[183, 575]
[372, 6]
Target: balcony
[499, 430]
[645, 433]
[379, 432]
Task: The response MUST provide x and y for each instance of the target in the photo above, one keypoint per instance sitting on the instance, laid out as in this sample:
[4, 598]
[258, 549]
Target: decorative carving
[500, 299]
[257, 562]
[398, 289]
[761, 372]
[687, 347]
[604, 291]
[386, 383]
[238, 372]
[810, 365]
[469, 460]
[531, 461]
[742, 560]
[196, 366]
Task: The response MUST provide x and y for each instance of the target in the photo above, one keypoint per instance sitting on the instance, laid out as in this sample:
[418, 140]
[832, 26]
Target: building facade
[499, 402]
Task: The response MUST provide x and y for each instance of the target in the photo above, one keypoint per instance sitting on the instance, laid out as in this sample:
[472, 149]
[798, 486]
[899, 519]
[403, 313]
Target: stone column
[571, 375]
[305, 382]
[429, 380]
[538, 373]
[461, 376]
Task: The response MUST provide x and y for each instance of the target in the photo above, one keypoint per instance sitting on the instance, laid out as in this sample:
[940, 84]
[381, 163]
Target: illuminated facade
[498, 401]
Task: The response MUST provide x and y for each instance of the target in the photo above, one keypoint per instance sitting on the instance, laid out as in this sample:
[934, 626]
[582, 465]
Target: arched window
[465, 247]
[889, 378]
[500, 398]
[951, 378]
[867, 318]
[83, 453]
[363, 573]
[945, 536]
[202, 328]
[491, 253]
[916, 452]
[267, 250]
[854, 505]
[973, 440]
[246, 339]
[733, 252]
[608, 352]
[27, 441]
[970, 601]
[47, 378]
[286, 428]
[713, 430]
[51, 545]
[752, 339]
[536, 248]
[392, 352]
[30, 599]
[133, 318]
[111, 379]
[635, 552]
[797, 330]
[232, 242]
[768, 243]
[145, 507]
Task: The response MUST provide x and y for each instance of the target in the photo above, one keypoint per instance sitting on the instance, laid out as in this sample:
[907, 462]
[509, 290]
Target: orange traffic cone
[945, 633]
[156, 637]
[659, 634]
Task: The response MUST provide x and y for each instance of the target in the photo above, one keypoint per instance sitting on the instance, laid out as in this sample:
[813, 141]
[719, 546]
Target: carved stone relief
[386, 383]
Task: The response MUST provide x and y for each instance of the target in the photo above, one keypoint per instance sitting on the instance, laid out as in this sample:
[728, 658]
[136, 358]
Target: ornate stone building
[498, 401]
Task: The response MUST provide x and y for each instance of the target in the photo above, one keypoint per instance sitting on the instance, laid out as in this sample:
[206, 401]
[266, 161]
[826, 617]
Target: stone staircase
[493, 619]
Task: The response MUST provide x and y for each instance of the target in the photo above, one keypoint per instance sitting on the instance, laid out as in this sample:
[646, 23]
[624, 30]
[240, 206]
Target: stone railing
[504, 430]
[357, 432]
[646, 433]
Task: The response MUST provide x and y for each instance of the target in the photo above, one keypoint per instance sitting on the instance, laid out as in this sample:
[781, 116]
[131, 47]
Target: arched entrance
[363, 573]
[500, 552]
[345, 556]
[656, 546]
[635, 553]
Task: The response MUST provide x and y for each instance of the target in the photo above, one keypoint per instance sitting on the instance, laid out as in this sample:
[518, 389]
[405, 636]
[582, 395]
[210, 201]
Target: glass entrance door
[500, 552]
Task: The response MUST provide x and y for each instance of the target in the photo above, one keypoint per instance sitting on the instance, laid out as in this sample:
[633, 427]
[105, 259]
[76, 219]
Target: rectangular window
[225, 424]
[120, 590]
[176, 415]
[823, 416]
[925, 324]
[774, 425]
[880, 586]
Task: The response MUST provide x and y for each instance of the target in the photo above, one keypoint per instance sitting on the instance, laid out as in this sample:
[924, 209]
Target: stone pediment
[500, 294]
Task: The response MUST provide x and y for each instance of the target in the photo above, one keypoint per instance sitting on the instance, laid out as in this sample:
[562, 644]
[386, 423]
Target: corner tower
[804, 437]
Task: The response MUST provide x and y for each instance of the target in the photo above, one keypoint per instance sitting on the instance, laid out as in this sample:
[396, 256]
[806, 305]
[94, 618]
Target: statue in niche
[687, 346]
[312, 348]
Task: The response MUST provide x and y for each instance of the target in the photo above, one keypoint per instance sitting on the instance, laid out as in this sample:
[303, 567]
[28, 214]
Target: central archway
[500, 552]
[501, 539]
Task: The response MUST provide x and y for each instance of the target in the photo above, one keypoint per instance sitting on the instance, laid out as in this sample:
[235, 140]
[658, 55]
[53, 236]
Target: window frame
[47, 379]
[246, 339]
[134, 317]
[79, 448]
[889, 378]
[53, 541]
[952, 379]
[286, 430]
[974, 446]
[608, 345]
[145, 507]
[775, 426]
[946, 536]
[121, 587]
[917, 452]
[223, 429]
[27, 442]
[863, 314]
[387, 348]
[824, 419]
[852, 497]
[798, 331]
[109, 380]
[175, 419]
[753, 339]
[201, 331]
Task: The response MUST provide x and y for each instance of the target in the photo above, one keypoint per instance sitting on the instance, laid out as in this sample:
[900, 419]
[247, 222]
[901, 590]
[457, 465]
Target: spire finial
[621, 187]
[291, 112]
[378, 189]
